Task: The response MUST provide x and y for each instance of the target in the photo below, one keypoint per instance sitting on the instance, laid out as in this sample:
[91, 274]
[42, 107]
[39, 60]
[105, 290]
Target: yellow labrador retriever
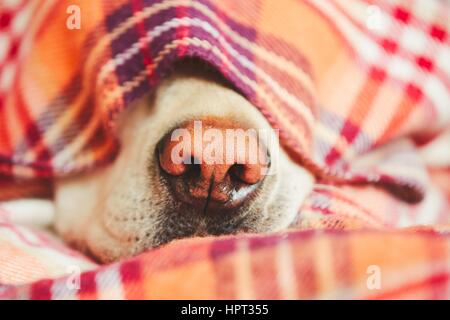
[197, 159]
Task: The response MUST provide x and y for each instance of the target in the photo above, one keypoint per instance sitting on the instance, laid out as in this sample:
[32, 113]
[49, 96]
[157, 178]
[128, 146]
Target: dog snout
[213, 164]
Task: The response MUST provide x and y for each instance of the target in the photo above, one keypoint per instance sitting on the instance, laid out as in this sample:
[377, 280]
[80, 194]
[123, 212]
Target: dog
[141, 201]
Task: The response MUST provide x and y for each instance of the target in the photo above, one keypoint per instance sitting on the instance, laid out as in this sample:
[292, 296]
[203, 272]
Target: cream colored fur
[114, 212]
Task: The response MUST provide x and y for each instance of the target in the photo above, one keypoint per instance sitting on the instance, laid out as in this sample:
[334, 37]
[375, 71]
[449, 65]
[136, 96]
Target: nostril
[238, 173]
[193, 170]
[247, 173]
[235, 172]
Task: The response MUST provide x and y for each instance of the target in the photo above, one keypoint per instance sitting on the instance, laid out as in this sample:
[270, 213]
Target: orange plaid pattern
[294, 265]
[342, 80]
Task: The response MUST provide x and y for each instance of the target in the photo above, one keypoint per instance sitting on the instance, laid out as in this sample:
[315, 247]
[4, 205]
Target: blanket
[294, 265]
[357, 89]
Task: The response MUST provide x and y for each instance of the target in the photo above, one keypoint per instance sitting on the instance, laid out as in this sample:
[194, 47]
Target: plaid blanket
[356, 89]
[295, 265]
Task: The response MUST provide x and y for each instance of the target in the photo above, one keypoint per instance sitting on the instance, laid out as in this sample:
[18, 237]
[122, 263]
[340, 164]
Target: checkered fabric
[355, 87]
[295, 265]
[321, 72]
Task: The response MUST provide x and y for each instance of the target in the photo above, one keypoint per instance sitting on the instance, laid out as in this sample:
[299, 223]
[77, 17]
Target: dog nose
[213, 163]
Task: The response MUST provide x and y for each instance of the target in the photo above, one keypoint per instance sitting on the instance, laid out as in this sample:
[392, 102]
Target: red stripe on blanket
[131, 273]
[137, 6]
[88, 287]
[415, 288]
[41, 290]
